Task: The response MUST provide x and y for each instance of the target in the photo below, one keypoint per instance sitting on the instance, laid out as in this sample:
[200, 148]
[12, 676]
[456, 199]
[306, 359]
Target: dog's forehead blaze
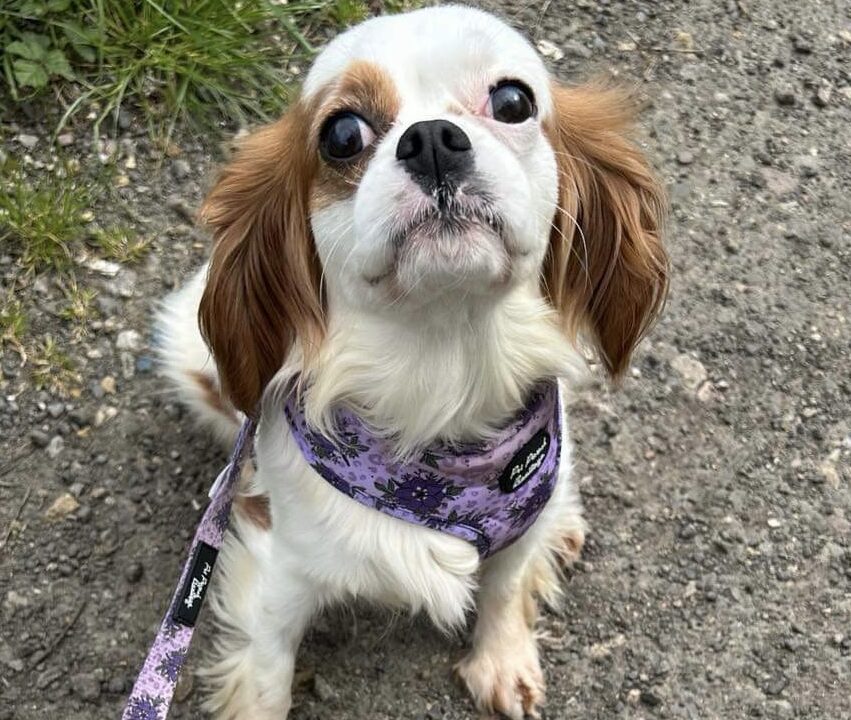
[367, 90]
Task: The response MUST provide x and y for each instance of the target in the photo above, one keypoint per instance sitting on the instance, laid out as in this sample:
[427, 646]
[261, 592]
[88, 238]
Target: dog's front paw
[239, 689]
[506, 679]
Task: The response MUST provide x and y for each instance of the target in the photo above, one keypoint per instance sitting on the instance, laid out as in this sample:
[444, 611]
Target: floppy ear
[606, 271]
[263, 287]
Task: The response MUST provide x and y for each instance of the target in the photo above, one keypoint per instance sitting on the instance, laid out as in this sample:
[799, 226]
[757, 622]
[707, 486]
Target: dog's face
[430, 160]
[441, 179]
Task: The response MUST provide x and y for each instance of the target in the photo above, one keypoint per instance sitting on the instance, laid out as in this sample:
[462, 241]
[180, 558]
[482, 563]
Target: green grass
[40, 219]
[13, 322]
[173, 59]
[52, 369]
[120, 244]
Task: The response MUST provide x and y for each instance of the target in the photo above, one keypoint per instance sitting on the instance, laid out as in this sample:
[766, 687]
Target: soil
[716, 581]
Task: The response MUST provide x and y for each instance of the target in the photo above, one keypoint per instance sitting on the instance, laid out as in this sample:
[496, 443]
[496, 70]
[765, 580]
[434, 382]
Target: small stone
[550, 50]
[107, 384]
[322, 689]
[65, 139]
[802, 45]
[122, 181]
[125, 119]
[39, 439]
[685, 158]
[144, 364]
[85, 686]
[134, 572]
[773, 523]
[651, 699]
[28, 141]
[633, 696]
[63, 506]
[128, 340]
[775, 685]
[80, 417]
[785, 96]
[55, 410]
[181, 169]
[687, 532]
[823, 95]
[691, 371]
[55, 446]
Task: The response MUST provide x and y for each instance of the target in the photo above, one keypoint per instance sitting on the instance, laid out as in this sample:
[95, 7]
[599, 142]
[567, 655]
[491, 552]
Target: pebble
[691, 371]
[785, 96]
[107, 384]
[61, 507]
[134, 572]
[39, 439]
[65, 139]
[144, 364]
[55, 446]
[55, 410]
[651, 699]
[685, 158]
[322, 689]
[773, 523]
[550, 50]
[28, 141]
[823, 95]
[85, 686]
[181, 169]
[128, 340]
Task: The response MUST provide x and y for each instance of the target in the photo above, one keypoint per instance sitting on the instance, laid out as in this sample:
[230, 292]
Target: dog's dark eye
[344, 136]
[512, 102]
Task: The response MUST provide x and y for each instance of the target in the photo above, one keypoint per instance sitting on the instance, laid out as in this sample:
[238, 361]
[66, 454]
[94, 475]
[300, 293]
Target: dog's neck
[454, 372]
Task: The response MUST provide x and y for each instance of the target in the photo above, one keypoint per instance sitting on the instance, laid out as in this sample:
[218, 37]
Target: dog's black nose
[437, 153]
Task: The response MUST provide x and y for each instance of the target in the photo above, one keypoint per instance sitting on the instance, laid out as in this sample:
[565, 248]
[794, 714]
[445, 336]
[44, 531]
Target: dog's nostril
[454, 138]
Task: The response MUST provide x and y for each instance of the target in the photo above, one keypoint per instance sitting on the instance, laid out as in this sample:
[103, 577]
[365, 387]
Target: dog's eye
[511, 102]
[344, 136]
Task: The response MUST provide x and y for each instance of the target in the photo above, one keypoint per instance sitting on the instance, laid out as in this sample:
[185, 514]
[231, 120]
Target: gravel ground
[716, 582]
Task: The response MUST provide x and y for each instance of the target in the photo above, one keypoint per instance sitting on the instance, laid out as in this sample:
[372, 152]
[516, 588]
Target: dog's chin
[468, 257]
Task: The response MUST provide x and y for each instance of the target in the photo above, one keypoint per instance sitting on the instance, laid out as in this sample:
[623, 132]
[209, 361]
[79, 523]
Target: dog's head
[430, 159]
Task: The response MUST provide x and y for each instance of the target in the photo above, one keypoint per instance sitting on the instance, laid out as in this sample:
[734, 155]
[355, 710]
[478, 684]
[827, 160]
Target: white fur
[453, 358]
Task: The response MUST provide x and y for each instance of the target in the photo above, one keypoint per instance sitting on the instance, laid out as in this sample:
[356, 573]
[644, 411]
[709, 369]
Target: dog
[422, 239]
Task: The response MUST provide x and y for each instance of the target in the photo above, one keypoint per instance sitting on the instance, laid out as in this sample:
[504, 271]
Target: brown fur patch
[213, 396]
[606, 270]
[263, 287]
[255, 509]
[366, 90]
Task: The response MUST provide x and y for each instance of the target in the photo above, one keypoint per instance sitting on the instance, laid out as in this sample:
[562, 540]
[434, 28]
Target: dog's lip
[457, 215]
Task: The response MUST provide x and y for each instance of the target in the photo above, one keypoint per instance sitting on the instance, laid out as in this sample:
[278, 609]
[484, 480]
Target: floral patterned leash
[154, 687]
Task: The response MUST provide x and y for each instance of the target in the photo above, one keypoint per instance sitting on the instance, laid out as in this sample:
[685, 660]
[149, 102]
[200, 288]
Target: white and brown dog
[419, 239]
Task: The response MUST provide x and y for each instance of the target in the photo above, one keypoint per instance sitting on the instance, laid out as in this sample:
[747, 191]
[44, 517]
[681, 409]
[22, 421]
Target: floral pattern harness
[487, 493]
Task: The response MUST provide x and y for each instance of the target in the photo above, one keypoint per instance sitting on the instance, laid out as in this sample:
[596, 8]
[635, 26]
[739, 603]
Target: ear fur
[263, 289]
[606, 271]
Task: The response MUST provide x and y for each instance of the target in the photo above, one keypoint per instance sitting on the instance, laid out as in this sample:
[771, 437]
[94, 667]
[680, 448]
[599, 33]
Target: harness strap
[154, 688]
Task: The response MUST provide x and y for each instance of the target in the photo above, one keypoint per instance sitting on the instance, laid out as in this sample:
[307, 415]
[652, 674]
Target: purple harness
[486, 493]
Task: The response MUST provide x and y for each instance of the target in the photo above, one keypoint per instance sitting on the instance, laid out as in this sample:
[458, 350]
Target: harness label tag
[194, 588]
[525, 463]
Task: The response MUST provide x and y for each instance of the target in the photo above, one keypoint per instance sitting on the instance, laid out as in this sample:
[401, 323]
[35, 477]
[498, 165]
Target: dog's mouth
[446, 226]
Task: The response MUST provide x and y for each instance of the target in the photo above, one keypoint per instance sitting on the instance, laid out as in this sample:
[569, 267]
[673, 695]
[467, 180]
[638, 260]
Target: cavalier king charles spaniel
[418, 242]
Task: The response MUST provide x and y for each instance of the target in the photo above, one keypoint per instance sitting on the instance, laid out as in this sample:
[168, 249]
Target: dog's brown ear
[263, 288]
[606, 271]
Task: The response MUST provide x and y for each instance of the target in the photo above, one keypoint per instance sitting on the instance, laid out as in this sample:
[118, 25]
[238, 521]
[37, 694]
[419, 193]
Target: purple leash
[154, 687]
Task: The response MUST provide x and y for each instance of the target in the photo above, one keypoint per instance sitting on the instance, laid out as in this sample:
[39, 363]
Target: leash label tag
[194, 588]
[525, 463]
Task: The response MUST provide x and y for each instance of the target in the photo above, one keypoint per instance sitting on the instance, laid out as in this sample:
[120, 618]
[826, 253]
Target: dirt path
[717, 579]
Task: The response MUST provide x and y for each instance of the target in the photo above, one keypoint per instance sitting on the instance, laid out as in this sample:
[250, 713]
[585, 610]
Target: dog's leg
[263, 607]
[502, 671]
